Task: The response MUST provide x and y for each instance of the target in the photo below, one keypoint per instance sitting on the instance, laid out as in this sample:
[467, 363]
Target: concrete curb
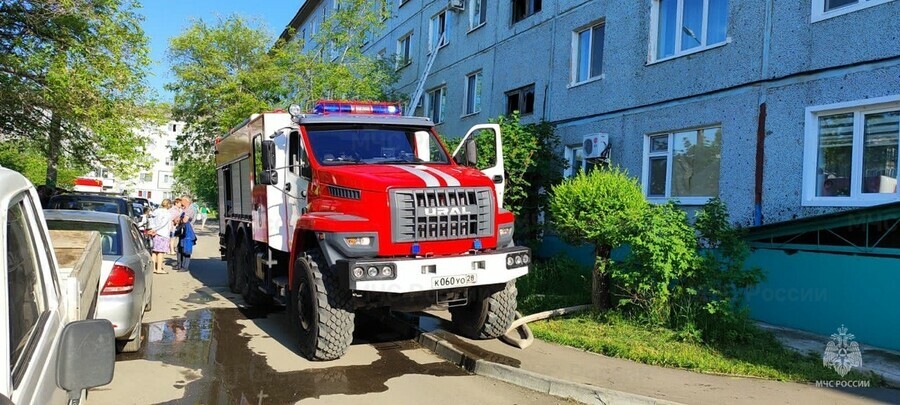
[583, 393]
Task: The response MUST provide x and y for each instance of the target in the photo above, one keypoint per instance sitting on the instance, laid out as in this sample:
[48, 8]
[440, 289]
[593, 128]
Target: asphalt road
[202, 345]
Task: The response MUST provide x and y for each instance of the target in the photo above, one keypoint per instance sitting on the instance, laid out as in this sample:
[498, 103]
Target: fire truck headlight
[373, 272]
[295, 110]
[510, 261]
[387, 271]
[358, 272]
[505, 236]
[359, 241]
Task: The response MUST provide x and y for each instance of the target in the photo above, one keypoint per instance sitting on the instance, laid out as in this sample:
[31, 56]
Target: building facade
[155, 183]
[783, 109]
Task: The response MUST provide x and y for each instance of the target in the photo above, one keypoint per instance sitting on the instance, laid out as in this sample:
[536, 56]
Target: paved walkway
[675, 385]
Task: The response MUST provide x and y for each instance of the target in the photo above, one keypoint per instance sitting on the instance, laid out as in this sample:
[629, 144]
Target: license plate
[453, 281]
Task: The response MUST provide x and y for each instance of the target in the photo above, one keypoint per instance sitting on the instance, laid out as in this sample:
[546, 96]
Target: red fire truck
[354, 206]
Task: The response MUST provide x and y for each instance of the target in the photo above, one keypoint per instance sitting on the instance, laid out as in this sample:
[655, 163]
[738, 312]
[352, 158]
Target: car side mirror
[87, 356]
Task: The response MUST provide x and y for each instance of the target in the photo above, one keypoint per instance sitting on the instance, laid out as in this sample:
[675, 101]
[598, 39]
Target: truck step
[281, 281]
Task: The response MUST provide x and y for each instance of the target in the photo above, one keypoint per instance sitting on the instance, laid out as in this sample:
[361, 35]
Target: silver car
[126, 277]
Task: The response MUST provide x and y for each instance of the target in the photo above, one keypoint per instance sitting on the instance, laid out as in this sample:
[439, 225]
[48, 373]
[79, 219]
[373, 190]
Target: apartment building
[155, 184]
[784, 109]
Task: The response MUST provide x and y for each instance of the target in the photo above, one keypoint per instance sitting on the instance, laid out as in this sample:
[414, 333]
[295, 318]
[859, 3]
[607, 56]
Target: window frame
[521, 92]
[569, 155]
[576, 55]
[529, 10]
[401, 61]
[434, 36]
[429, 109]
[818, 13]
[645, 167]
[471, 14]
[859, 108]
[654, 32]
[479, 81]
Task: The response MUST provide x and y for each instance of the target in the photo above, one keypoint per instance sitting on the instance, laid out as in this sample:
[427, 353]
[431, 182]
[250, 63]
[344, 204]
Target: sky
[164, 19]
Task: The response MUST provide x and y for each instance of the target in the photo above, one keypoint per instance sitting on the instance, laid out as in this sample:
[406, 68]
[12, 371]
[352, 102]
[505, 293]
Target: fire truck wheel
[247, 279]
[321, 310]
[489, 314]
[230, 264]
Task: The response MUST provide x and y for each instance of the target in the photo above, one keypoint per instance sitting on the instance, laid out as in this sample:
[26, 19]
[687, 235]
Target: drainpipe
[761, 122]
[760, 159]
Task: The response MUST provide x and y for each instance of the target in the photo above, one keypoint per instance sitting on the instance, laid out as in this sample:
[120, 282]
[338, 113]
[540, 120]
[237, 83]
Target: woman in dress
[160, 230]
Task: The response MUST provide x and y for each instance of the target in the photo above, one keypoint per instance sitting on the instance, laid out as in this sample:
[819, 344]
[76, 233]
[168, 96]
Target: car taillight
[120, 281]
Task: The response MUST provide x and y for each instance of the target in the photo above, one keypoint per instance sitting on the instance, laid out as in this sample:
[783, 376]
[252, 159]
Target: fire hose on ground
[519, 334]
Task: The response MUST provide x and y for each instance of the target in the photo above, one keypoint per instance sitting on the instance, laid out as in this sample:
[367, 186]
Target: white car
[126, 276]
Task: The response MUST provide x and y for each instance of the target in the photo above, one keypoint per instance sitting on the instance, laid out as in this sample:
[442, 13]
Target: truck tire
[246, 276]
[230, 247]
[489, 314]
[321, 310]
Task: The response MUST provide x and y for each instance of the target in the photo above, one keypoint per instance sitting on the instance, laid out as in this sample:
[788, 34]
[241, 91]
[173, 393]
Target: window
[146, 177]
[435, 104]
[404, 57]
[473, 93]
[576, 162]
[681, 27]
[110, 237]
[168, 161]
[851, 153]
[27, 298]
[477, 13]
[522, 9]
[683, 165]
[824, 9]
[374, 145]
[140, 193]
[174, 127]
[588, 50]
[521, 100]
[438, 33]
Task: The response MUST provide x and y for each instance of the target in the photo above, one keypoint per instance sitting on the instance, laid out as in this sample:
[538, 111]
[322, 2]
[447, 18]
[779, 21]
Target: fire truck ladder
[420, 88]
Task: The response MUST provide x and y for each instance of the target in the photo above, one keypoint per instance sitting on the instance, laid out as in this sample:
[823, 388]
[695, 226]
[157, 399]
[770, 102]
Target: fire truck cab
[355, 206]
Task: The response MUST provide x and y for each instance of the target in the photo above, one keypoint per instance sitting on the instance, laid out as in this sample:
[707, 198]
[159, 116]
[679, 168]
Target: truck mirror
[269, 177]
[471, 152]
[268, 155]
[87, 356]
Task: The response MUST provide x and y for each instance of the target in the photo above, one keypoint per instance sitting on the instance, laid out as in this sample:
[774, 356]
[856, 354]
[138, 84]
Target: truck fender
[303, 240]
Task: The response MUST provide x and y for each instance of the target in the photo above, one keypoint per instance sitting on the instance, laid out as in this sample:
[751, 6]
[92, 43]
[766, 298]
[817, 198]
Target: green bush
[602, 207]
[686, 279]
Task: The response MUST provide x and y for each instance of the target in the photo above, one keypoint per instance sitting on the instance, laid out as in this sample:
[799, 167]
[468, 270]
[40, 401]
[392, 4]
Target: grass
[560, 282]
[759, 355]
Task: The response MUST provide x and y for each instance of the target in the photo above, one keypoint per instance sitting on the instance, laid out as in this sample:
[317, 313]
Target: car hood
[381, 177]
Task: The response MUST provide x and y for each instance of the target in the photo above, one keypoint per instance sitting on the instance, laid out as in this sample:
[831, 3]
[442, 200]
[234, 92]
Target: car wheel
[132, 345]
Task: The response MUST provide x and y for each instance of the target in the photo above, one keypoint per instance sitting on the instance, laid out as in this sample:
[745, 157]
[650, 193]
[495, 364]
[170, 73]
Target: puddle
[443, 329]
[199, 297]
[211, 341]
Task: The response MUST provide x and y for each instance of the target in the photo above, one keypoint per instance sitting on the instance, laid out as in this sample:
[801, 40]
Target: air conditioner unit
[458, 5]
[596, 146]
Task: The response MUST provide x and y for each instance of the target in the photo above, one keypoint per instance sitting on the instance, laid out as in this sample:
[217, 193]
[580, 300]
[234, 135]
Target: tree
[72, 78]
[601, 207]
[226, 71]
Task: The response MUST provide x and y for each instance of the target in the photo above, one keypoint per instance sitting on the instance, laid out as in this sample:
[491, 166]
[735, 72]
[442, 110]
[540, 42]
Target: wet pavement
[203, 345]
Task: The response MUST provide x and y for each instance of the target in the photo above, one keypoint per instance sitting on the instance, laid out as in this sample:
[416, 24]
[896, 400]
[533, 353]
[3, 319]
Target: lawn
[553, 285]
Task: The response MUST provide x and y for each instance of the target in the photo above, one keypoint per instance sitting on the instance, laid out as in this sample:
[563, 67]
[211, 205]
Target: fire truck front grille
[441, 213]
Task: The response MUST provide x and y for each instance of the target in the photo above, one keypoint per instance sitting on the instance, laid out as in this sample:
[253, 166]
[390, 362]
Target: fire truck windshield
[375, 145]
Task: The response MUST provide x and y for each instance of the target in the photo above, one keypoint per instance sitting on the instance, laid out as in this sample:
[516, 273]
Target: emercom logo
[842, 353]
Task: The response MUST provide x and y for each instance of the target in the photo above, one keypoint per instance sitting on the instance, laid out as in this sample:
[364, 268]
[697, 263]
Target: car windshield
[375, 145]
[110, 238]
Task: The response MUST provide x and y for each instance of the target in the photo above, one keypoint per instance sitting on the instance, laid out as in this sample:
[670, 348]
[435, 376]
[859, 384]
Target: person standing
[204, 215]
[175, 214]
[190, 210]
[160, 229]
[186, 240]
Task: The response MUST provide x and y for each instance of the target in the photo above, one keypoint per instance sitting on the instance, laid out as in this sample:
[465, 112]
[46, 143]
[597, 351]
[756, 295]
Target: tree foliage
[227, 70]
[29, 159]
[193, 177]
[72, 78]
[602, 208]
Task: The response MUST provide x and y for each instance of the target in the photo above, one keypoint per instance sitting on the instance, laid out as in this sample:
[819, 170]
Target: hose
[519, 334]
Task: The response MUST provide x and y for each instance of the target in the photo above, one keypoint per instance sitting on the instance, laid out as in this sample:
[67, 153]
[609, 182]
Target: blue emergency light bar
[357, 107]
